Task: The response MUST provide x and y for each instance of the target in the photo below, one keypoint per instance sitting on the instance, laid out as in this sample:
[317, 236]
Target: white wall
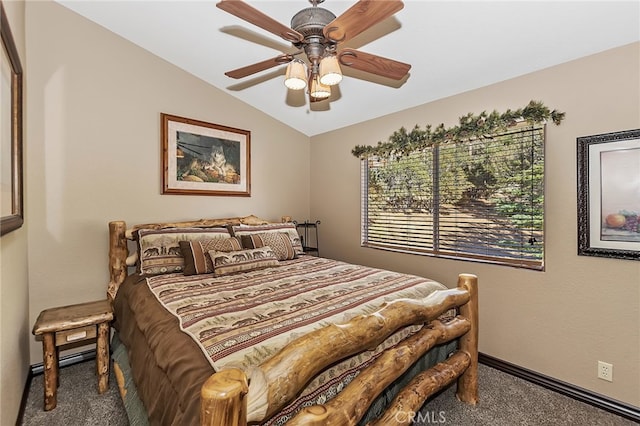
[14, 285]
[580, 309]
[94, 152]
[93, 155]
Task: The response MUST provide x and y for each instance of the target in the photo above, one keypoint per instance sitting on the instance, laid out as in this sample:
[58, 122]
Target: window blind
[480, 199]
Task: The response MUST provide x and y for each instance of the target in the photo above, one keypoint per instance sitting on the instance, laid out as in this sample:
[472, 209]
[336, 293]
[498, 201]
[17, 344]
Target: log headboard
[119, 235]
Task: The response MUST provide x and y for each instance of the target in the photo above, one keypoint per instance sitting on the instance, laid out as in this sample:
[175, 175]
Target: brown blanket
[240, 320]
[168, 367]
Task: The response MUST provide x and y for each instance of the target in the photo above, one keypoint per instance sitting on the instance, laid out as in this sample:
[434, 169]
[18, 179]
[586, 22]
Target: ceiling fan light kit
[330, 73]
[296, 76]
[317, 32]
[319, 90]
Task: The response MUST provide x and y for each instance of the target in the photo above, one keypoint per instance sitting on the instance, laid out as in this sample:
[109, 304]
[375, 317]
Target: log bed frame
[231, 398]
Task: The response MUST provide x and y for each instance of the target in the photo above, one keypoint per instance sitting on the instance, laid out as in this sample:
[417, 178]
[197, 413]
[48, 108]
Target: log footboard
[228, 401]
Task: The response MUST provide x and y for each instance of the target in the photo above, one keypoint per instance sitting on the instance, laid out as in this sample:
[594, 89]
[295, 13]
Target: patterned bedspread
[241, 320]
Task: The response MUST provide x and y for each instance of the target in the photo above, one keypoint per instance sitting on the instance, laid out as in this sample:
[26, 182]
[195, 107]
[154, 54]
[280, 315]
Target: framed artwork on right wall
[609, 195]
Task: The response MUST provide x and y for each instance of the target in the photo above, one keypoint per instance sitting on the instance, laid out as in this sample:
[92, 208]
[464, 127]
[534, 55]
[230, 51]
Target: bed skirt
[122, 370]
[138, 416]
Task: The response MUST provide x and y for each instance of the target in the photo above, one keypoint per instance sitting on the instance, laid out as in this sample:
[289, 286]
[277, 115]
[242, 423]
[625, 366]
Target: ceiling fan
[317, 32]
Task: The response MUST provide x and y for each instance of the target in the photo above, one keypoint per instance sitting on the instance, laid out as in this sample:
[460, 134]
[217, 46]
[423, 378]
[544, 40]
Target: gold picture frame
[200, 158]
[11, 203]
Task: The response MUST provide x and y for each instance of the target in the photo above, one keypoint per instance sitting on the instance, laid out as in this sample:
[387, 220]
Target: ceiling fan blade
[243, 11]
[373, 64]
[359, 17]
[259, 66]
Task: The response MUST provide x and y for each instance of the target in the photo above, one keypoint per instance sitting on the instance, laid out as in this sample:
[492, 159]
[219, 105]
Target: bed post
[118, 253]
[223, 399]
[468, 382]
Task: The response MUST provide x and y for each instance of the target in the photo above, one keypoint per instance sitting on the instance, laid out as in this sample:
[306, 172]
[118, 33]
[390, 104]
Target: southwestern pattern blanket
[241, 320]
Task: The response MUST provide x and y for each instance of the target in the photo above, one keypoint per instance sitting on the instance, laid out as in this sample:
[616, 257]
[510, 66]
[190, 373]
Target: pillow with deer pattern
[288, 228]
[196, 253]
[159, 249]
[226, 263]
[280, 242]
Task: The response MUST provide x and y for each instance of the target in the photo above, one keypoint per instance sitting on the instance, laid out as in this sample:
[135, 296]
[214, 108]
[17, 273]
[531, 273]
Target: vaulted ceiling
[453, 46]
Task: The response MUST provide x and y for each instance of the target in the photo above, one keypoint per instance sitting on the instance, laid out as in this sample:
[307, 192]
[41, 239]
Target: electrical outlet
[605, 371]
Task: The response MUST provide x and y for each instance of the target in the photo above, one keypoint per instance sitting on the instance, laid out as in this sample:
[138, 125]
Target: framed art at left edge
[200, 158]
[11, 201]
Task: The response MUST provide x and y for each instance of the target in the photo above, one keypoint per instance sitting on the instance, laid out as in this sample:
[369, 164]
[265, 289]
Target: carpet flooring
[504, 400]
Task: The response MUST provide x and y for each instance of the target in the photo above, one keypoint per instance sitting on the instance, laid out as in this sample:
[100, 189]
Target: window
[479, 199]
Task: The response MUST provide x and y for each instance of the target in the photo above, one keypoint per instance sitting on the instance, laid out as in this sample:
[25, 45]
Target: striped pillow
[196, 256]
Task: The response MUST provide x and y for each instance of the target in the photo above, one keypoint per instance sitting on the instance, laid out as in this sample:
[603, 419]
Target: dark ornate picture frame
[200, 158]
[609, 195]
[13, 217]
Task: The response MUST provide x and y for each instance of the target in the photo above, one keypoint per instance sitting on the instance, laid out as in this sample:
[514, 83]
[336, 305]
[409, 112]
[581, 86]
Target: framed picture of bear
[609, 195]
[200, 158]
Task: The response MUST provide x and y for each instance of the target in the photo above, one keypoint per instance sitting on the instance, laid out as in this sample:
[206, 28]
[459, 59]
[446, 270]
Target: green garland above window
[471, 127]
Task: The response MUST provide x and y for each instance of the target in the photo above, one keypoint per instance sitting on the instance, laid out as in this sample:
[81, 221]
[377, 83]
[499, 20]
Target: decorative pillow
[159, 249]
[289, 228]
[196, 256]
[279, 242]
[225, 263]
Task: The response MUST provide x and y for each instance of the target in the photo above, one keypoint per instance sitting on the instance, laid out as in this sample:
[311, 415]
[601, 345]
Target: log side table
[71, 324]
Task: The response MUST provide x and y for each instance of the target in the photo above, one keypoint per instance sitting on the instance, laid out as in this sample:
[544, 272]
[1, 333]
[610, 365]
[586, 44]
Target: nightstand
[71, 324]
[308, 229]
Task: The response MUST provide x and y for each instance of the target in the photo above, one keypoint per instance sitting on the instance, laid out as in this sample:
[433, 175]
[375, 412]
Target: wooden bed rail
[230, 398]
[118, 253]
